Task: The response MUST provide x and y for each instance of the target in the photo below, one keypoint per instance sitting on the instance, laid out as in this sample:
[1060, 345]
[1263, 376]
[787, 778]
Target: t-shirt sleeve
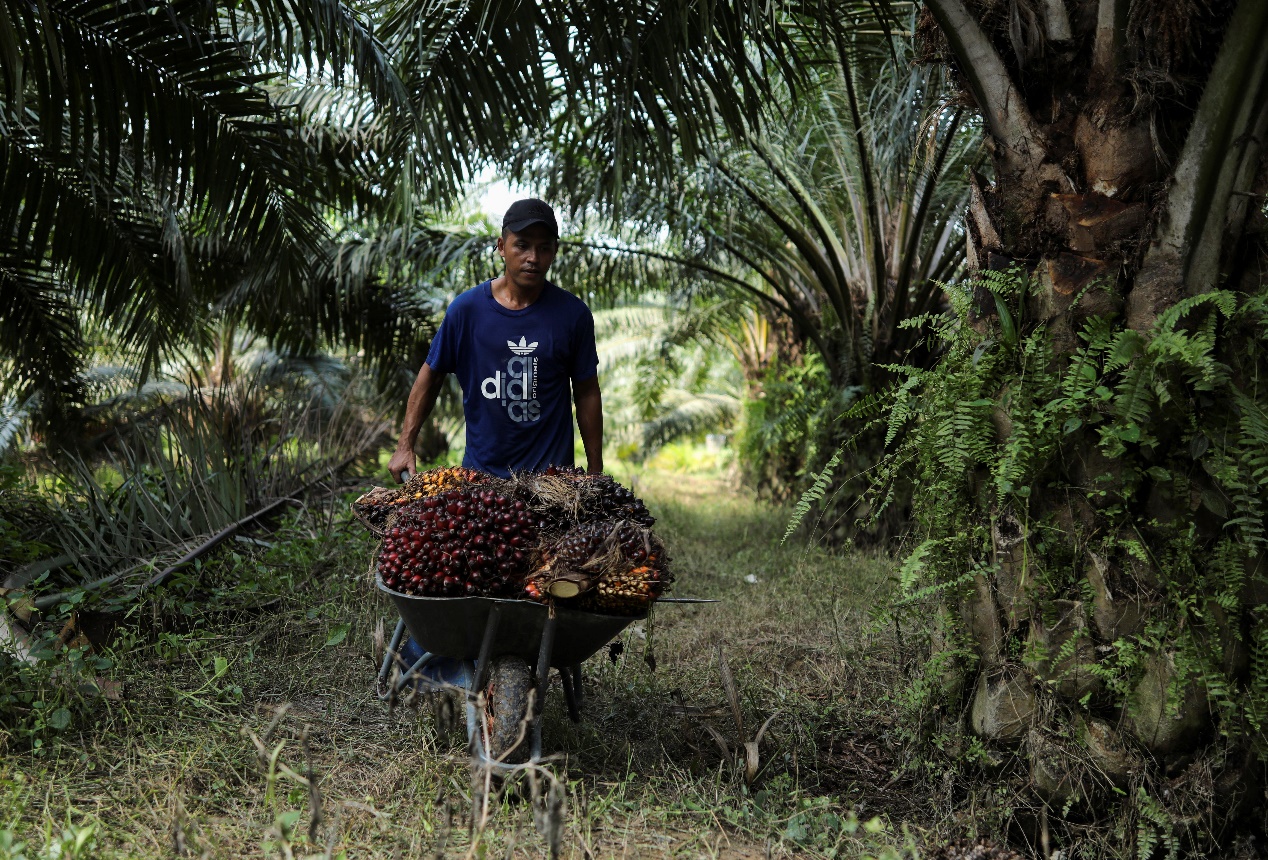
[443, 355]
[585, 357]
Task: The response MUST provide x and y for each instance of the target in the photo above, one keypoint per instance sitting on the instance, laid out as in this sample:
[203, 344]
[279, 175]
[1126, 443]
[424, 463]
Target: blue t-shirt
[515, 369]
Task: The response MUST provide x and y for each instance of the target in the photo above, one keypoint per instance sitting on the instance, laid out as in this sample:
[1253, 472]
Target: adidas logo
[521, 348]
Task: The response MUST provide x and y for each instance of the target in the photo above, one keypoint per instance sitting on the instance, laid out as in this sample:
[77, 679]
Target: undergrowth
[1113, 491]
[245, 719]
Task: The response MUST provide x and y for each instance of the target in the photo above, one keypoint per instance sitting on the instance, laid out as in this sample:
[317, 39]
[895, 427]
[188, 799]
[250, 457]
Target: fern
[1257, 692]
[1247, 483]
[1223, 300]
[924, 593]
[872, 405]
[1132, 404]
[903, 408]
[1180, 412]
[813, 494]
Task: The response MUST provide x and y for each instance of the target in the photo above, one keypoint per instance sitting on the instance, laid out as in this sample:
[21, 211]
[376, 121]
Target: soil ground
[247, 723]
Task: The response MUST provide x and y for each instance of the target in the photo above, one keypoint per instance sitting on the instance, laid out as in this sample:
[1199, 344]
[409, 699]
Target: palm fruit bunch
[605, 499]
[618, 567]
[377, 506]
[433, 482]
[964, 849]
[457, 532]
[628, 593]
[601, 497]
[473, 541]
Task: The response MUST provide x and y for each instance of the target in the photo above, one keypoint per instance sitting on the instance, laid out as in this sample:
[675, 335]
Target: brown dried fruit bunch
[964, 849]
[374, 507]
[607, 566]
[603, 498]
[626, 593]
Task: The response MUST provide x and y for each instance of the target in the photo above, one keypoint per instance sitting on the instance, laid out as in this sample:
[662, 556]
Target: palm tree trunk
[1114, 204]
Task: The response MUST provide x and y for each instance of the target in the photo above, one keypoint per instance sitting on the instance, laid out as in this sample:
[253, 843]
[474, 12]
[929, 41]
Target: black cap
[524, 213]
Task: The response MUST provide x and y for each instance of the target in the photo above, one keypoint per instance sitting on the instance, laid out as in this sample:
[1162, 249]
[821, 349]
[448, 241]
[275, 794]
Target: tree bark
[1116, 204]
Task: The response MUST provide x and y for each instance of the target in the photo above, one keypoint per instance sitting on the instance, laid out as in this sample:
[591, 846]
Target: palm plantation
[981, 284]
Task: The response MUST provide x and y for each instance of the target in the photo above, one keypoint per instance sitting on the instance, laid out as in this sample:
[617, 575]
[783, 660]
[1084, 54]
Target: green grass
[262, 675]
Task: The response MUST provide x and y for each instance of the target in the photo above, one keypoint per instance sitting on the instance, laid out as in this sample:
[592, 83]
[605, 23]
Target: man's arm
[422, 398]
[589, 402]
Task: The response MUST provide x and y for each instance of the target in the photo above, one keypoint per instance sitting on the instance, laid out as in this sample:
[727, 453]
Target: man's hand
[402, 460]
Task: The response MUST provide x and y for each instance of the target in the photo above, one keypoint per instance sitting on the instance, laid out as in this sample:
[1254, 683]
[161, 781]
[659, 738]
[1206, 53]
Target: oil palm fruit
[457, 532]
[469, 542]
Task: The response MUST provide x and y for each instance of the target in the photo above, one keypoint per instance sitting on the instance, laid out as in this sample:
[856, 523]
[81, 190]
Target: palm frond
[637, 78]
[39, 328]
[689, 414]
[15, 417]
[841, 219]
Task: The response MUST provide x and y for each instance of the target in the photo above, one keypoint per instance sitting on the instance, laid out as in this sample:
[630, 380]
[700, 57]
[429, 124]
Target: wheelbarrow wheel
[506, 717]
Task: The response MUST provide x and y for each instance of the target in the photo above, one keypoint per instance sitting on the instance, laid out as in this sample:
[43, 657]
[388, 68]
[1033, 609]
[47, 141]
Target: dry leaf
[718, 739]
[752, 762]
[732, 692]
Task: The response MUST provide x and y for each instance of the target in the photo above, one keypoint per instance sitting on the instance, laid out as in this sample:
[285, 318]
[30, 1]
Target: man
[517, 344]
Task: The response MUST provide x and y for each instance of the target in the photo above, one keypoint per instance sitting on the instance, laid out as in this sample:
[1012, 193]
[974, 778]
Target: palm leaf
[689, 414]
[38, 325]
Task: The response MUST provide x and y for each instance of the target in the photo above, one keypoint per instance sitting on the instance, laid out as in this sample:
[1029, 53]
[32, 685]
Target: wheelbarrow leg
[389, 658]
[486, 645]
[478, 675]
[571, 694]
[544, 653]
[473, 716]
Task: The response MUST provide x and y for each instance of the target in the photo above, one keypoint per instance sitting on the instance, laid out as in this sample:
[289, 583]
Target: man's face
[528, 255]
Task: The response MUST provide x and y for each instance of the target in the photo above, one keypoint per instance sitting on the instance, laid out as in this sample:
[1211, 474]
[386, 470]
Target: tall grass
[156, 486]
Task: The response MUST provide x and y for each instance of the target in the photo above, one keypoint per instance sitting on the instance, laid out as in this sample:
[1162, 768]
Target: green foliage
[75, 842]
[1154, 829]
[665, 376]
[42, 692]
[168, 167]
[1146, 451]
[832, 224]
[159, 172]
[25, 520]
[812, 495]
[837, 217]
[789, 425]
[169, 480]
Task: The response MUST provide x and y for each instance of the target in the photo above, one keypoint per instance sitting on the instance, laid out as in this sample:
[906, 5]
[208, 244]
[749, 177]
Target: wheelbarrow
[506, 648]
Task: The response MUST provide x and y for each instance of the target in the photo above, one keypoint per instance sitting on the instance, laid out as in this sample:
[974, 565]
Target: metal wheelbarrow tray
[457, 627]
